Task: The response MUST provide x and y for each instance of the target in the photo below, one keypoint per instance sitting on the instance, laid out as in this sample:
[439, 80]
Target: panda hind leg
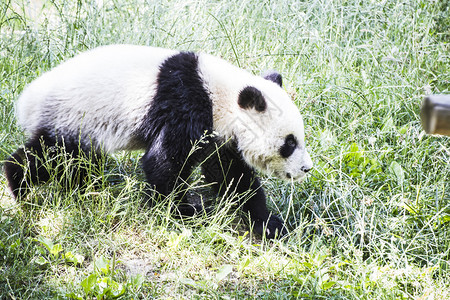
[40, 160]
[24, 168]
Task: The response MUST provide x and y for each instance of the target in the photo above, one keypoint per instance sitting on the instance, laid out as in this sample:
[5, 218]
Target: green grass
[371, 222]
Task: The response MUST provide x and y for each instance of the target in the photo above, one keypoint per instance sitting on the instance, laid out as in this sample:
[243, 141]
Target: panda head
[269, 130]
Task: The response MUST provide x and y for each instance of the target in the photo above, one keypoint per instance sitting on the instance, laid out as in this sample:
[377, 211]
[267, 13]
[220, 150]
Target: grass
[371, 222]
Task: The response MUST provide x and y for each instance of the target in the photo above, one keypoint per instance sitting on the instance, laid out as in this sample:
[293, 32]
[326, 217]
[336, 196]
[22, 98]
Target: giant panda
[127, 97]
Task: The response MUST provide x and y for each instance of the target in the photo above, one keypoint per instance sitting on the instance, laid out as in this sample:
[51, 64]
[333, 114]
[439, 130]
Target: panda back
[104, 92]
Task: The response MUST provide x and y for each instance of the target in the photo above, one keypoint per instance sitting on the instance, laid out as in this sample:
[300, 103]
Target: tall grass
[371, 222]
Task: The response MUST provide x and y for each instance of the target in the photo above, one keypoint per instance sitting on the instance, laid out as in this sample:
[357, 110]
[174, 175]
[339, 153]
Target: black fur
[290, 143]
[251, 97]
[180, 114]
[275, 77]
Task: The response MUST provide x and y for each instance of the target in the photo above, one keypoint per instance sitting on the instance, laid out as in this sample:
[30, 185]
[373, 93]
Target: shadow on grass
[20, 276]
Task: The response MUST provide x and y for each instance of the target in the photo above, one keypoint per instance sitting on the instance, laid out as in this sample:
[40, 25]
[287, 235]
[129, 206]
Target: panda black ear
[251, 97]
[275, 77]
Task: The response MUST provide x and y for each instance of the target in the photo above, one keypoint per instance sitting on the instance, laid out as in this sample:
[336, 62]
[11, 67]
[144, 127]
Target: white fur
[109, 88]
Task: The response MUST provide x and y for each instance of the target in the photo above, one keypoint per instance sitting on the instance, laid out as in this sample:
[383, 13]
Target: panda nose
[305, 169]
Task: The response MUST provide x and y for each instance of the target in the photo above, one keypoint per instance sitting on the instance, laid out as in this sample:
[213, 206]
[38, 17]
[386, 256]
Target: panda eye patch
[290, 143]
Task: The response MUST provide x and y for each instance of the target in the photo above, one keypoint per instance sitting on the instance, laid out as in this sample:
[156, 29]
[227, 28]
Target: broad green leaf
[47, 243]
[88, 283]
[103, 287]
[137, 281]
[445, 219]
[223, 272]
[101, 265]
[245, 264]
[397, 170]
[116, 289]
[56, 249]
[72, 295]
[328, 284]
[15, 245]
[75, 259]
[41, 261]
[189, 282]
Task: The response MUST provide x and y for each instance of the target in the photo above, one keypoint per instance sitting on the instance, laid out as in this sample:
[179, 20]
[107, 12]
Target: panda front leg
[230, 172]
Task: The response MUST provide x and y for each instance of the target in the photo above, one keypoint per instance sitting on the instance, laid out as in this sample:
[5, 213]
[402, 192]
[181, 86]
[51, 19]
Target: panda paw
[272, 228]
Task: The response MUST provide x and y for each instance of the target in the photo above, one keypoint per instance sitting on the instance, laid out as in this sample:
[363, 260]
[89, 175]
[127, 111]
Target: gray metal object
[435, 114]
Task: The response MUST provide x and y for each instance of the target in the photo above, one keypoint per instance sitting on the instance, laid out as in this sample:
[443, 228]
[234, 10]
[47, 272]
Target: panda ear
[251, 97]
[275, 77]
